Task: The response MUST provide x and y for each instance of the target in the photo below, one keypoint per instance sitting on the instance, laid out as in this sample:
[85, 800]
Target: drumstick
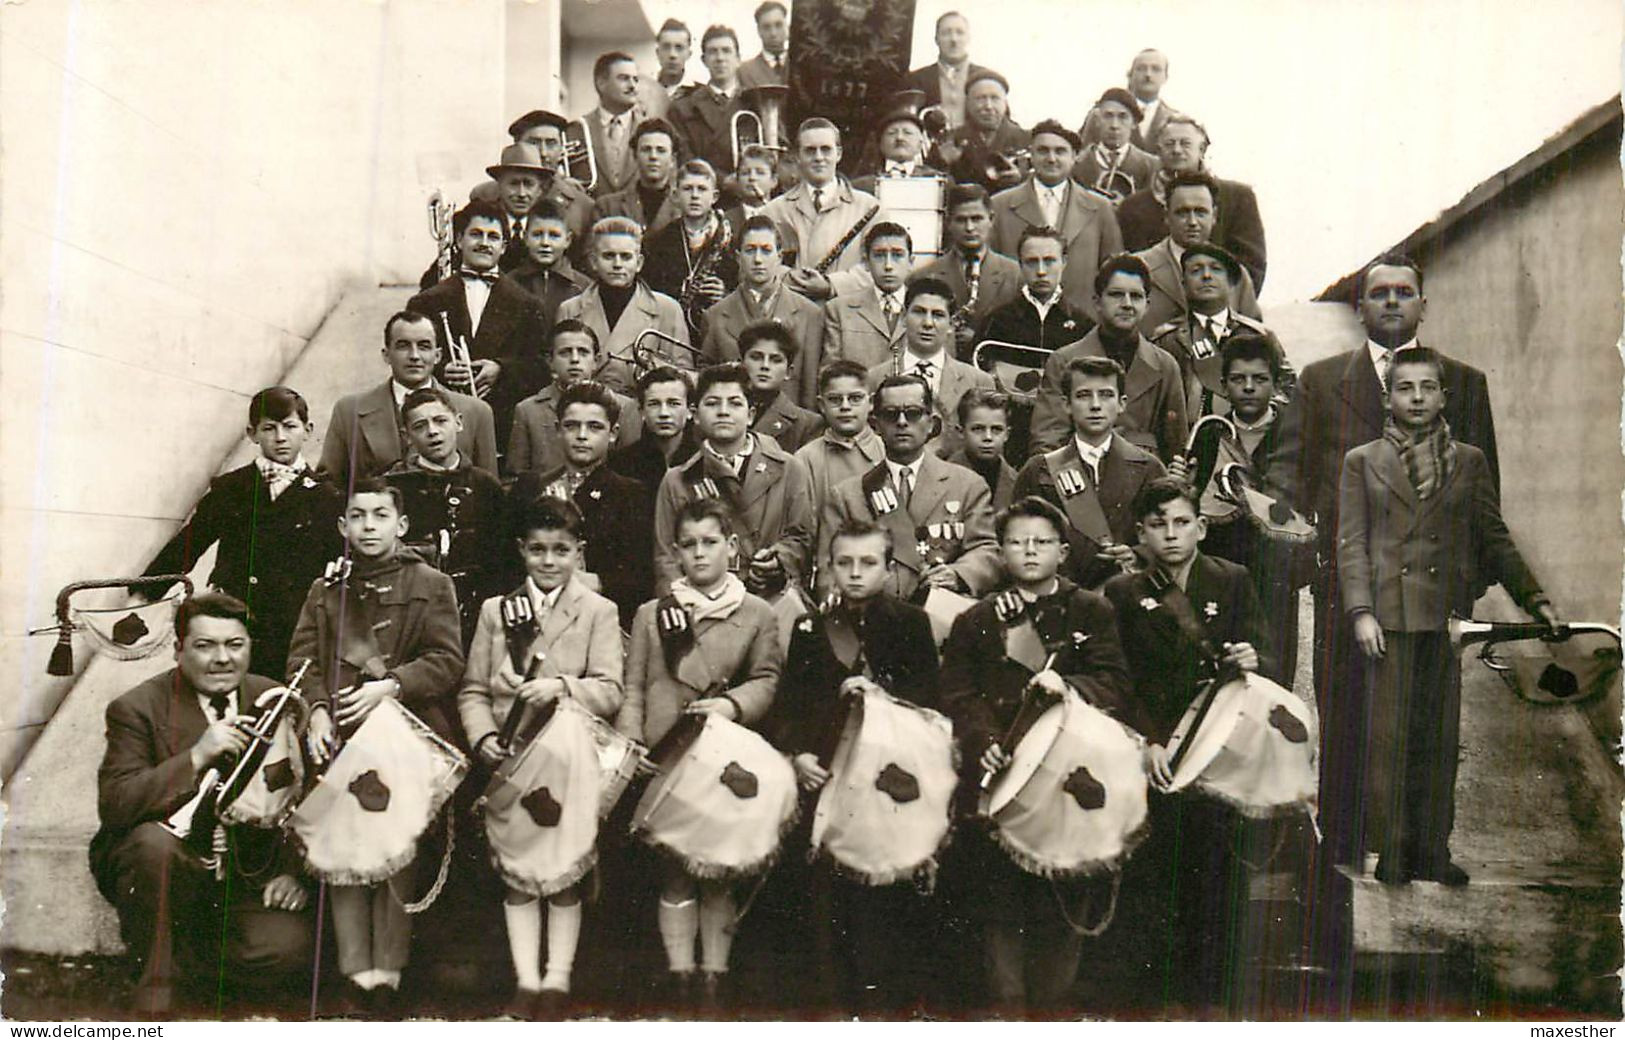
[1016, 724]
[517, 713]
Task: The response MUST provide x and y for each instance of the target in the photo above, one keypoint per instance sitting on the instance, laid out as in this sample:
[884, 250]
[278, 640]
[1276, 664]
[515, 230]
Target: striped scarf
[1429, 457]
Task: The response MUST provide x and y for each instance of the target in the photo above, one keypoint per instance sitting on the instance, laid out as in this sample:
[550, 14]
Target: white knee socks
[563, 932]
[716, 919]
[679, 926]
[525, 941]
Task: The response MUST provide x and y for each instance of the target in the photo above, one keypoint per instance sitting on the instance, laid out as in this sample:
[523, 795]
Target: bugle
[580, 161]
[61, 659]
[760, 119]
[1009, 167]
[194, 821]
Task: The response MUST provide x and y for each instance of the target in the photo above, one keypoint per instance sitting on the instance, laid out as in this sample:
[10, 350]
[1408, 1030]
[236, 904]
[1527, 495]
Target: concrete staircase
[1538, 806]
[51, 902]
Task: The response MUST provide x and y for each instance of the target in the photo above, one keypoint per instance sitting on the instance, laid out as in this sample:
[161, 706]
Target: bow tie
[896, 169]
[488, 277]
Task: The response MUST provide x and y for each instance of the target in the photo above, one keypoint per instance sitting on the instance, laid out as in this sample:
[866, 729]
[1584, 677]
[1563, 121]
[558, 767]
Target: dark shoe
[519, 1006]
[550, 1005]
[1393, 871]
[712, 997]
[384, 1004]
[1447, 874]
[675, 993]
[345, 1000]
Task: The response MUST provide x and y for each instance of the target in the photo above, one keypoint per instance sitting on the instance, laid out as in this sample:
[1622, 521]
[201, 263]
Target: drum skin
[361, 822]
[1255, 750]
[1073, 800]
[722, 806]
[884, 814]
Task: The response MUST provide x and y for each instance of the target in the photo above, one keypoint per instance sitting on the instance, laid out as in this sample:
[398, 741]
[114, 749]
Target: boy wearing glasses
[1031, 954]
[940, 515]
[1094, 476]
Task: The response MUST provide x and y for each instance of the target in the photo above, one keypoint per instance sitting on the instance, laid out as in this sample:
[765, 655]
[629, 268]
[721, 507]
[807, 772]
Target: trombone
[642, 358]
[760, 119]
[580, 161]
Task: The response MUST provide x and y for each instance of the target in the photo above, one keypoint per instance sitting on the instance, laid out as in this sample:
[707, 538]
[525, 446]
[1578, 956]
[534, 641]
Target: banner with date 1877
[846, 57]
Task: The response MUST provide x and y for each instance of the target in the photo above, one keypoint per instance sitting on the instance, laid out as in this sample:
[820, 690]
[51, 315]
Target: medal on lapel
[558, 489]
[705, 487]
[675, 630]
[518, 626]
[1009, 606]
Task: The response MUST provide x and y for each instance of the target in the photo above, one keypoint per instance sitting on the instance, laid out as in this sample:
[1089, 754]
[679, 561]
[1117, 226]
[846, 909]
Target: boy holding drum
[382, 625]
[568, 643]
[707, 646]
[1041, 638]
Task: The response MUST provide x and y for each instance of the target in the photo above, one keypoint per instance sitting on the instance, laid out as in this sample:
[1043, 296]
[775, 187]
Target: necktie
[615, 142]
[925, 370]
[818, 200]
[888, 303]
[1382, 369]
[905, 486]
[218, 704]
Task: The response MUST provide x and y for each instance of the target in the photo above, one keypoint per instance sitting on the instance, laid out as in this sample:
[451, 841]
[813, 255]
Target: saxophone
[973, 282]
[710, 257]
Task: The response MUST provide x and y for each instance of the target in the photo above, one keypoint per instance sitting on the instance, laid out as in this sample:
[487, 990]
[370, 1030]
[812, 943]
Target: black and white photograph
[884, 511]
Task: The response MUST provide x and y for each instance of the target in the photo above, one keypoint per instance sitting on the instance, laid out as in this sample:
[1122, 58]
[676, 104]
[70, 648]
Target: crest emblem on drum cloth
[739, 780]
[371, 791]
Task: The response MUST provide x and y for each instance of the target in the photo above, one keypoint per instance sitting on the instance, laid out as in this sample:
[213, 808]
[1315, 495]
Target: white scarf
[719, 605]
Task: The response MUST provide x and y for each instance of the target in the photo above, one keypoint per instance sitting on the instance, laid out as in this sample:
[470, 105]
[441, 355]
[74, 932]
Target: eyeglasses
[851, 400]
[1031, 543]
[913, 414]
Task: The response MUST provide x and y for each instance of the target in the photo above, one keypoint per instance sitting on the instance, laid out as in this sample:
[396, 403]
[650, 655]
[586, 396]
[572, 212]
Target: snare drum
[1073, 800]
[541, 809]
[618, 757]
[917, 203]
[883, 815]
[1255, 750]
[360, 824]
[722, 800]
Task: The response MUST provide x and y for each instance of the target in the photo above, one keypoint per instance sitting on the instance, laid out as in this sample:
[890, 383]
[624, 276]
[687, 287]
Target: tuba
[760, 119]
[580, 162]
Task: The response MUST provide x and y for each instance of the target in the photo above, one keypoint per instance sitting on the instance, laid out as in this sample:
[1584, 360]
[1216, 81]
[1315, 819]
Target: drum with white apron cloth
[541, 808]
[618, 758]
[917, 203]
[1073, 799]
[883, 815]
[722, 801]
[361, 822]
[1254, 748]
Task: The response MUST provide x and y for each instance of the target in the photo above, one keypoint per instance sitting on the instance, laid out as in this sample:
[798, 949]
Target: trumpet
[194, 822]
[580, 161]
[440, 212]
[457, 351]
[759, 120]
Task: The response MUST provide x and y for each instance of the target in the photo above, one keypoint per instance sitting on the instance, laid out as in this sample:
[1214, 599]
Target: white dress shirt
[1380, 356]
[893, 300]
[1043, 306]
[937, 361]
[1093, 456]
[477, 292]
[232, 707]
[1148, 114]
[1051, 201]
[897, 470]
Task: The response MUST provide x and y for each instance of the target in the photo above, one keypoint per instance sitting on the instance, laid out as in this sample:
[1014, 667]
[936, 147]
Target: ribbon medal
[1071, 482]
[882, 501]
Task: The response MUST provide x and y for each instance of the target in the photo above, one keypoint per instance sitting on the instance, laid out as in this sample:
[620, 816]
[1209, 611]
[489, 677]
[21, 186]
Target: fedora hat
[518, 157]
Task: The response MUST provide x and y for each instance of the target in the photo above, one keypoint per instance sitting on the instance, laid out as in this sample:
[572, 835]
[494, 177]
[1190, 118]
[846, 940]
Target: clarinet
[710, 257]
[825, 264]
